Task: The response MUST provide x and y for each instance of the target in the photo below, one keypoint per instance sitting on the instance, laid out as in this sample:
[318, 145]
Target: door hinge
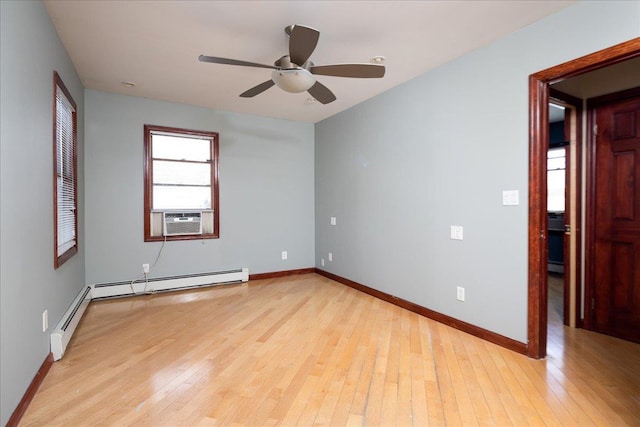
[595, 129]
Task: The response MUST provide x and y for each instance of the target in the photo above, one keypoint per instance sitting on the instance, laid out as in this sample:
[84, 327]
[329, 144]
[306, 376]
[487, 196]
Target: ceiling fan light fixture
[295, 72]
[294, 80]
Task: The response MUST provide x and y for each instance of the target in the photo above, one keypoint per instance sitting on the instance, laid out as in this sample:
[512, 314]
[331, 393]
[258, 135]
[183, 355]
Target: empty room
[330, 213]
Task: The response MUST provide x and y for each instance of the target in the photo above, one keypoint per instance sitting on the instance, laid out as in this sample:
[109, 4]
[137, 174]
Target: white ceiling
[156, 45]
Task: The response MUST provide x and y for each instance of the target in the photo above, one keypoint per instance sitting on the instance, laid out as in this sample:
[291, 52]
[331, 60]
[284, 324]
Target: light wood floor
[305, 350]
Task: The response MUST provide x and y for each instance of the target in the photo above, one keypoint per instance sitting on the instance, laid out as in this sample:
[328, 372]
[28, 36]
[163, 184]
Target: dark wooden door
[616, 268]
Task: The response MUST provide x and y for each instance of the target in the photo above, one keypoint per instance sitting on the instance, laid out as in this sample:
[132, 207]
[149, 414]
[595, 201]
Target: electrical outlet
[145, 268]
[460, 293]
[333, 220]
[284, 255]
[330, 256]
[45, 320]
[322, 262]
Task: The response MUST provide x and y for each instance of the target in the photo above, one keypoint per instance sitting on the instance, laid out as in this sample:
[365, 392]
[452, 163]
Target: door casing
[538, 142]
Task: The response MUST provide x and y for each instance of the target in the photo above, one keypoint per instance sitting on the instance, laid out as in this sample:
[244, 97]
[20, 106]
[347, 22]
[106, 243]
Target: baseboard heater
[67, 325]
[121, 289]
[64, 330]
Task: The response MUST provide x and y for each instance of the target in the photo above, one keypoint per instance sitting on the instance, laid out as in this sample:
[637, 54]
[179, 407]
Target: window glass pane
[556, 159]
[66, 217]
[557, 163]
[555, 190]
[65, 171]
[180, 148]
[181, 173]
[169, 197]
[556, 152]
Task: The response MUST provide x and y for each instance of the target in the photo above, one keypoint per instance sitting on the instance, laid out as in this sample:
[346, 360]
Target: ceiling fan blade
[227, 61]
[321, 93]
[350, 70]
[302, 42]
[257, 90]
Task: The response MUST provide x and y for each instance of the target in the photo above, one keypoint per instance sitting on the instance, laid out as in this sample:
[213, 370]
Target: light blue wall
[399, 170]
[396, 171]
[266, 191]
[29, 53]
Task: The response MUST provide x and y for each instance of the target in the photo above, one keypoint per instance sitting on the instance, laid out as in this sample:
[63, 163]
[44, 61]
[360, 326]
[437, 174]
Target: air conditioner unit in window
[180, 223]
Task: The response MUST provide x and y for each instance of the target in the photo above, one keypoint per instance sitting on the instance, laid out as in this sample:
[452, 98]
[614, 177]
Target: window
[180, 182]
[556, 179]
[65, 172]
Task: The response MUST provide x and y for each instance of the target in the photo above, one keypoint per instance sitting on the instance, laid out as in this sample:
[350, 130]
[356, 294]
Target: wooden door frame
[538, 145]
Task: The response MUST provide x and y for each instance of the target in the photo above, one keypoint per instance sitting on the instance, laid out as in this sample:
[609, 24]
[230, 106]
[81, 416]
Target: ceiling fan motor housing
[294, 80]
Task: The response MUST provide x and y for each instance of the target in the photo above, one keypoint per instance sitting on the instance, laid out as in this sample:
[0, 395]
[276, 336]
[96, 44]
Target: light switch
[456, 232]
[510, 198]
[333, 220]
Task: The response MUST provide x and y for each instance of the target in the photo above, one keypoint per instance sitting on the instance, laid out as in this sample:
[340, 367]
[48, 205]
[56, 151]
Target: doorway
[563, 198]
[539, 97]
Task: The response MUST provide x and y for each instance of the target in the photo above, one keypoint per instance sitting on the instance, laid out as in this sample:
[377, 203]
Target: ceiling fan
[295, 73]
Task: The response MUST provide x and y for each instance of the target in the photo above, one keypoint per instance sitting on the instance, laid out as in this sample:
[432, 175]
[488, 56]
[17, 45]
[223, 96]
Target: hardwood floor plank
[464, 403]
[497, 412]
[507, 399]
[305, 350]
[476, 397]
[520, 403]
[405, 404]
[435, 407]
[369, 348]
[444, 383]
[357, 366]
[338, 397]
[375, 392]
[544, 403]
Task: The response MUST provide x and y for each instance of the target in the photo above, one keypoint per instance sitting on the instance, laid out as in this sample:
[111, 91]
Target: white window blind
[65, 174]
